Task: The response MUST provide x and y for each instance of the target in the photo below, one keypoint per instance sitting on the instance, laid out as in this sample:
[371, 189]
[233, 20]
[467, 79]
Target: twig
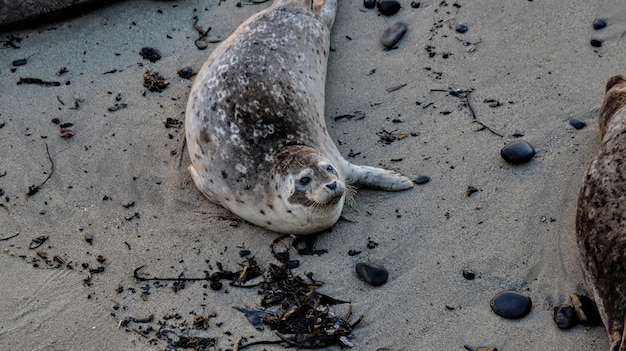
[469, 105]
[142, 279]
[33, 189]
[489, 129]
[10, 237]
[236, 344]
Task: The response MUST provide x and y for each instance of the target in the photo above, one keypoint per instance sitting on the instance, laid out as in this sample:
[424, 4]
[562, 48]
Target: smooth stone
[565, 316]
[599, 23]
[577, 123]
[370, 4]
[517, 152]
[511, 304]
[388, 7]
[373, 274]
[393, 34]
[421, 180]
[461, 28]
[201, 44]
[596, 43]
[415, 4]
[20, 62]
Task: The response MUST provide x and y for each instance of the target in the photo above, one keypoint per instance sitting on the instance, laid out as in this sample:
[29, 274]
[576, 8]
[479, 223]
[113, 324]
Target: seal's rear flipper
[376, 178]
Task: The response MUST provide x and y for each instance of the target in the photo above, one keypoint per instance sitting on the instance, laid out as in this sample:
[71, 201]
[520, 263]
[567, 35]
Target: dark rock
[150, 54]
[20, 62]
[388, 7]
[415, 4]
[421, 180]
[596, 43]
[577, 124]
[370, 4]
[469, 274]
[599, 23]
[185, 73]
[372, 273]
[511, 304]
[461, 28]
[201, 44]
[89, 238]
[393, 34]
[565, 316]
[517, 152]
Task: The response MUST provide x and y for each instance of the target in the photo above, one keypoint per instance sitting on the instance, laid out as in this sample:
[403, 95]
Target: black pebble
[599, 23]
[596, 43]
[577, 124]
[511, 304]
[372, 273]
[150, 54]
[517, 152]
[421, 180]
[89, 238]
[415, 4]
[370, 4]
[20, 62]
[469, 274]
[393, 34]
[461, 28]
[388, 7]
[565, 316]
[185, 73]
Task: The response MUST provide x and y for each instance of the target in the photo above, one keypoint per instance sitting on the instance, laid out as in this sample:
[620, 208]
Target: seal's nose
[332, 186]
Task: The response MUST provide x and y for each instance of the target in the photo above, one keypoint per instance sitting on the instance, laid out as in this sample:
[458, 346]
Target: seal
[601, 216]
[255, 126]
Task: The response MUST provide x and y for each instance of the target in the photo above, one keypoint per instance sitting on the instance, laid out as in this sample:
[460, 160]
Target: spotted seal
[255, 126]
[601, 216]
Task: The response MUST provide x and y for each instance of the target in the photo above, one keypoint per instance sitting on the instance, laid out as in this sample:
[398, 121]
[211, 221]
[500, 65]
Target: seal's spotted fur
[255, 124]
[601, 217]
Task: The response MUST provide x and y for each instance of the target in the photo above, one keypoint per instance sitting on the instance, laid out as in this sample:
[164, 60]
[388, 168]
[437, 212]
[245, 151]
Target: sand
[516, 232]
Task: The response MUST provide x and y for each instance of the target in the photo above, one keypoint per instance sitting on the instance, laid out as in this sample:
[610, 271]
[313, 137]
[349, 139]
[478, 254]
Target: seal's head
[310, 187]
[614, 100]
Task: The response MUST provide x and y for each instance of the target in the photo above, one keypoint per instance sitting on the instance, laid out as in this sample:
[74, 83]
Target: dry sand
[517, 232]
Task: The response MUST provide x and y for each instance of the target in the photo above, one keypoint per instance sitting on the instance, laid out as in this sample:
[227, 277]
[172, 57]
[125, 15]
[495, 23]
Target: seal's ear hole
[304, 181]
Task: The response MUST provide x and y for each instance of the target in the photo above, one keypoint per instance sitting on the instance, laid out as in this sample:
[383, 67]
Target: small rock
[469, 274]
[599, 23]
[372, 273]
[393, 34]
[89, 239]
[421, 180]
[20, 62]
[185, 73]
[415, 4]
[150, 54]
[461, 28]
[596, 43]
[577, 124]
[388, 7]
[370, 4]
[201, 44]
[565, 316]
[511, 304]
[517, 152]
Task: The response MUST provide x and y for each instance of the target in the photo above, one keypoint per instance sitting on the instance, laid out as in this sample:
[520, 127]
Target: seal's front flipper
[377, 178]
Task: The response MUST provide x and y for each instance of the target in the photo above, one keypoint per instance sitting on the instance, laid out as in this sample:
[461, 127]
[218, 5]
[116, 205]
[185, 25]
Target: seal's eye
[330, 169]
[305, 180]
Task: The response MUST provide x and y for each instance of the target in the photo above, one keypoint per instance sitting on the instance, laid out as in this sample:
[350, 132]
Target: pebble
[201, 44]
[577, 123]
[511, 304]
[596, 43]
[421, 180]
[150, 54]
[461, 28]
[20, 62]
[565, 316]
[599, 23]
[370, 4]
[388, 7]
[469, 274]
[415, 4]
[372, 273]
[89, 238]
[517, 152]
[393, 34]
[185, 73]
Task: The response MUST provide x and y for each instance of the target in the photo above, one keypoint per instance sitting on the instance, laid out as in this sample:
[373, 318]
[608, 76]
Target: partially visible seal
[255, 125]
[601, 216]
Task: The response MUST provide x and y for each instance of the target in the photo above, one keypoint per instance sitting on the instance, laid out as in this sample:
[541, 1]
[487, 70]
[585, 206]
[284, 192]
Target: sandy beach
[116, 195]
